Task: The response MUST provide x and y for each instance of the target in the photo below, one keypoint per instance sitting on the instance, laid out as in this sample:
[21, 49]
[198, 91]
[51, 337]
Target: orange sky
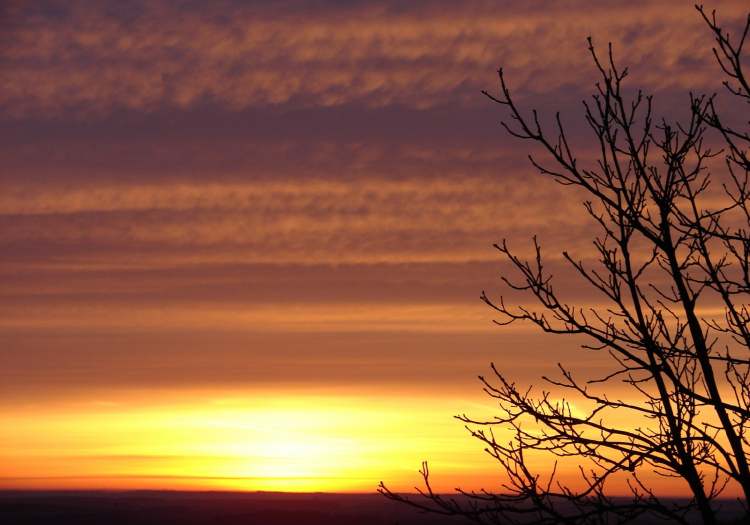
[241, 246]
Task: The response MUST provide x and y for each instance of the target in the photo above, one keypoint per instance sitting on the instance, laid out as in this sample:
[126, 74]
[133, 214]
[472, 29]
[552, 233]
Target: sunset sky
[242, 243]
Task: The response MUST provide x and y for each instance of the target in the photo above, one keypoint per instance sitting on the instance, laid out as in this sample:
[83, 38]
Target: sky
[242, 243]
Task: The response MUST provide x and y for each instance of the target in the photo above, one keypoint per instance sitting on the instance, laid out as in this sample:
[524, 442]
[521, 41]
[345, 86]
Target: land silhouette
[204, 508]
[154, 507]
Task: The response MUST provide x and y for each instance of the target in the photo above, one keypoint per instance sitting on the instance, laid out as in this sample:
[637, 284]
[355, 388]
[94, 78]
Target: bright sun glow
[313, 443]
[253, 441]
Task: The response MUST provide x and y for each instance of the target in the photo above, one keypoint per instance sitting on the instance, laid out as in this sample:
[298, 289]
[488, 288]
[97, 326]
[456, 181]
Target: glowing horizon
[299, 444]
[341, 443]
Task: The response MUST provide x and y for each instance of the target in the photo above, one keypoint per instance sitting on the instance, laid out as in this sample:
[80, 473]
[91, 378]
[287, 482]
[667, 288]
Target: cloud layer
[93, 57]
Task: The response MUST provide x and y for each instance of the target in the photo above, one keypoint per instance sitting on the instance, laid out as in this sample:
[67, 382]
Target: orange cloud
[318, 221]
[93, 61]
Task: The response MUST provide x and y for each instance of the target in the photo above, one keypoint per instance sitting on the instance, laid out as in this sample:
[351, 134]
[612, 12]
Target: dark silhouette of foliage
[673, 244]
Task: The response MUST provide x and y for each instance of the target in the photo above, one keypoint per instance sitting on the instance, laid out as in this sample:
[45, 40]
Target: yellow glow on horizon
[304, 443]
[256, 441]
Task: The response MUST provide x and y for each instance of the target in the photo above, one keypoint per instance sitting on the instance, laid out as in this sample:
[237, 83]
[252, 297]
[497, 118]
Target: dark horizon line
[240, 492]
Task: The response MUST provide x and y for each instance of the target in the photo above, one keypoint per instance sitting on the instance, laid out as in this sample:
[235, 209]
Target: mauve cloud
[93, 58]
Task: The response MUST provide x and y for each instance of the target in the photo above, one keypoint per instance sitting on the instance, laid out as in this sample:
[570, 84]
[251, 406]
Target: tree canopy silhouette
[671, 202]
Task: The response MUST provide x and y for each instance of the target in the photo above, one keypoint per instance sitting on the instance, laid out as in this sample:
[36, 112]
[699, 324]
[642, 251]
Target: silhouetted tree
[673, 246]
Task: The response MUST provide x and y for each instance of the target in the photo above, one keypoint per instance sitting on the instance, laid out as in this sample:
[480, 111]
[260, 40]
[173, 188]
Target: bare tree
[673, 248]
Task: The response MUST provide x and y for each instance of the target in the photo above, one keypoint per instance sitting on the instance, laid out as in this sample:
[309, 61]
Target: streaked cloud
[90, 58]
[317, 221]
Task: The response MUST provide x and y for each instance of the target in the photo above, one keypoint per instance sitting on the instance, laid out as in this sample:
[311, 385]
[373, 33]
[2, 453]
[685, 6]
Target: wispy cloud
[93, 58]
